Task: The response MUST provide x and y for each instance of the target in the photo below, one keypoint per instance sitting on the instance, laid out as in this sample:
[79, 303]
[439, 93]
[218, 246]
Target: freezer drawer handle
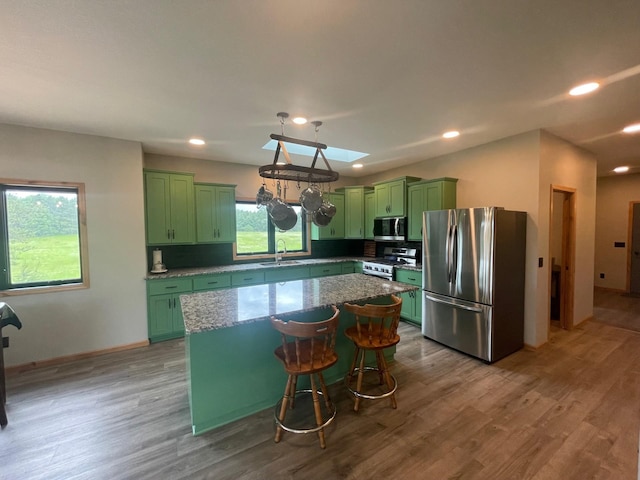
[463, 307]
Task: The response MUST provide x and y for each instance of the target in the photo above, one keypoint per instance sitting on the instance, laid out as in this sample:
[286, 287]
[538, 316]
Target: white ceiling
[386, 77]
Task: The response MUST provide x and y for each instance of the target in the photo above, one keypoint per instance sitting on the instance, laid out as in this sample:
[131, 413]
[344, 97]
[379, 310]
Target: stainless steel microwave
[390, 229]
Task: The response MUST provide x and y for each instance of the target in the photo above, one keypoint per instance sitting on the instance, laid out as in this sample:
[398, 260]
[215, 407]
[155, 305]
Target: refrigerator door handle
[448, 253]
[454, 253]
[456, 305]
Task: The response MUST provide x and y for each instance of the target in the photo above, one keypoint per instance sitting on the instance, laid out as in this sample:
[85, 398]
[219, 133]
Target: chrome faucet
[284, 248]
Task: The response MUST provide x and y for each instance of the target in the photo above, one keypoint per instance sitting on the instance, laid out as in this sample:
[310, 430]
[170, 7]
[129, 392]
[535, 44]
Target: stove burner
[384, 267]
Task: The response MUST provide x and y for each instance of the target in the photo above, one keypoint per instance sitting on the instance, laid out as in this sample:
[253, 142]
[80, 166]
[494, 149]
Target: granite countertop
[228, 307]
[245, 267]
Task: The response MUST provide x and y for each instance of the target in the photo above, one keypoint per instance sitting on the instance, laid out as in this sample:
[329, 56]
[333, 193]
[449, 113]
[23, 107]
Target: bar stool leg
[389, 380]
[283, 408]
[359, 383]
[316, 409]
[292, 392]
[325, 393]
[353, 366]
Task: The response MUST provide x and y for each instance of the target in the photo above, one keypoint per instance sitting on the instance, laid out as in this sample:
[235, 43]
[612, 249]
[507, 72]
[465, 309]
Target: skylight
[332, 153]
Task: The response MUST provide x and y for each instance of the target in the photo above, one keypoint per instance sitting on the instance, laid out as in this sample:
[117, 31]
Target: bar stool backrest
[376, 325]
[307, 346]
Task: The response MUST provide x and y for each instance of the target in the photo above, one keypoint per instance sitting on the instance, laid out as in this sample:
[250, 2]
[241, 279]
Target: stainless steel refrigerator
[473, 271]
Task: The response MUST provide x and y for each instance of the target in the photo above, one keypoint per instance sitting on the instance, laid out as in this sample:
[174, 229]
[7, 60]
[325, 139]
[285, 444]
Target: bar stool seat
[376, 329]
[308, 348]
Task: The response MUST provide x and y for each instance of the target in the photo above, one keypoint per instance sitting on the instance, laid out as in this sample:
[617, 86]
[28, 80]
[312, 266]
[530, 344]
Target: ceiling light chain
[282, 116]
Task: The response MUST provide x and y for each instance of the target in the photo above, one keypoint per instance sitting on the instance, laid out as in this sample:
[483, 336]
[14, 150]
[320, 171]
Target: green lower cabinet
[211, 282]
[411, 301]
[164, 313]
[348, 267]
[240, 279]
[325, 270]
[286, 274]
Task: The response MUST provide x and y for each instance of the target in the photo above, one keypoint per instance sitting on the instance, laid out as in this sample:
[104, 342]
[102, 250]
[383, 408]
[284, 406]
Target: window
[257, 236]
[42, 226]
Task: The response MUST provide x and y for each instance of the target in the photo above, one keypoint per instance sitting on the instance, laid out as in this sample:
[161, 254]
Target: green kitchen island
[229, 342]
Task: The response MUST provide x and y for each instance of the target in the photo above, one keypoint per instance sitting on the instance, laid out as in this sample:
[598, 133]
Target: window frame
[271, 242]
[76, 187]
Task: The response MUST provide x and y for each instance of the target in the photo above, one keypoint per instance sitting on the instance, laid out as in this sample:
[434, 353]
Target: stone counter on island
[231, 369]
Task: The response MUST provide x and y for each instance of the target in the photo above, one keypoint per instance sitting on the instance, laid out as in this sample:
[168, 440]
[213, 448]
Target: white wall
[612, 225]
[112, 312]
[564, 164]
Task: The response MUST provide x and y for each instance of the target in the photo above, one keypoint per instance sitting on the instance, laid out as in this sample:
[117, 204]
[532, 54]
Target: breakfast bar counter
[229, 340]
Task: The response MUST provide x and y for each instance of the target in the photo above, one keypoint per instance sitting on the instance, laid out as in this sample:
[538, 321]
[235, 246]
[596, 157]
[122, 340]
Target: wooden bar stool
[307, 349]
[376, 328]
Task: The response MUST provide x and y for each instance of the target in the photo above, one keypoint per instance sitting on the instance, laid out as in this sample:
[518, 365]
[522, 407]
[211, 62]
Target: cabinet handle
[168, 234]
[174, 303]
[173, 234]
[212, 283]
[170, 287]
[169, 303]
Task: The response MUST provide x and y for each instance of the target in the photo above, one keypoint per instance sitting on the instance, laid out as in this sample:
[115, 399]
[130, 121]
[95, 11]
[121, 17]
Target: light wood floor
[569, 410]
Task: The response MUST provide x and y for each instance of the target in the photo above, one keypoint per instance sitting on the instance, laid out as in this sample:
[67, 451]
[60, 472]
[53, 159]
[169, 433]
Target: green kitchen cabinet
[286, 274]
[369, 214]
[253, 277]
[335, 229]
[316, 271]
[215, 213]
[391, 197]
[169, 208]
[411, 301]
[354, 215]
[211, 282]
[164, 313]
[437, 194]
[348, 267]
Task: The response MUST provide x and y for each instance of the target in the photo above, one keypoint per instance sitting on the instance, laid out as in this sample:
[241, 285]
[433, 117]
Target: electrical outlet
[602, 275]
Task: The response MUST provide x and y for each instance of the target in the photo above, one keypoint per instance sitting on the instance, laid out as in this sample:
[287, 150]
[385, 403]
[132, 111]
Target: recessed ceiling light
[357, 165]
[196, 141]
[621, 169]
[451, 134]
[584, 88]
[635, 128]
[299, 120]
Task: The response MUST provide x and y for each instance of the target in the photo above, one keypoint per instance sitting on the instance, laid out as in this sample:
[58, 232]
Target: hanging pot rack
[298, 173]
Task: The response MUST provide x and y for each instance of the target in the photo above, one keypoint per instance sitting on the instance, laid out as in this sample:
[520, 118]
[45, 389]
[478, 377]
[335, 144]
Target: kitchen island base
[232, 372]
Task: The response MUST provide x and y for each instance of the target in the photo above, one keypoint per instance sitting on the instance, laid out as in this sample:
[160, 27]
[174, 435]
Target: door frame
[567, 273]
[629, 243]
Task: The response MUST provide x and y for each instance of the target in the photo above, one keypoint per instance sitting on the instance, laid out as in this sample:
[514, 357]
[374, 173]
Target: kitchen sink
[283, 262]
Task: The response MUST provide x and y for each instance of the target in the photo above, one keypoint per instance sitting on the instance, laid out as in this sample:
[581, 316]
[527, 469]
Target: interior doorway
[633, 252]
[562, 255]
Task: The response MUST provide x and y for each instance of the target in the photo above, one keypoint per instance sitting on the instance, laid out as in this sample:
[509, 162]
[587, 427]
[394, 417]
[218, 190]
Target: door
[634, 267]
[562, 278]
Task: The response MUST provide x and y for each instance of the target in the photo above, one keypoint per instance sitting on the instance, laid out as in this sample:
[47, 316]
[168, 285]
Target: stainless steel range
[384, 267]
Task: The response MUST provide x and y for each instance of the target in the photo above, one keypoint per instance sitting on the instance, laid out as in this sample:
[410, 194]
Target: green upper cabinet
[169, 208]
[390, 197]
[354, 212]
[215, 213]
[435, 194]
[335, 229]
[369, 214]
